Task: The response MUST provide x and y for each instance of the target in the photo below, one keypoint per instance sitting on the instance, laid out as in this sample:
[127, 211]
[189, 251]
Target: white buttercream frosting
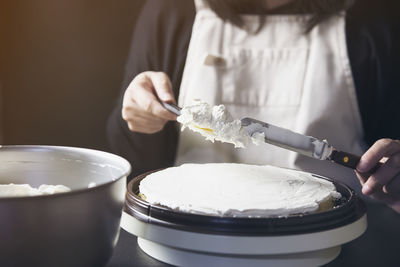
[227, 189]
[21, 190]
[216, 123]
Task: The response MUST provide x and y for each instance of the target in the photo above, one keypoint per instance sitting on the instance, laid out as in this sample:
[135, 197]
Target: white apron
[274, 73]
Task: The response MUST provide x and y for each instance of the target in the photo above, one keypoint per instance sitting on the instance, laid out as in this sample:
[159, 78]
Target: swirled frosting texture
[216, 123]
[227, 189]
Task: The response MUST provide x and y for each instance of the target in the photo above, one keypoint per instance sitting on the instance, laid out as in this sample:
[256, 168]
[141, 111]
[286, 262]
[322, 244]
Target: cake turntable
[185, 239]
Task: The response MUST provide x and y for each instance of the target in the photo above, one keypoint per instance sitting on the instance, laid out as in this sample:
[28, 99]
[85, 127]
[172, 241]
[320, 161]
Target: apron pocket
[269, 77]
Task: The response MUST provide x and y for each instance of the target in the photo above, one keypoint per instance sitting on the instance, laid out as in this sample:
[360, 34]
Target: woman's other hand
[141, 108]
[384, 184]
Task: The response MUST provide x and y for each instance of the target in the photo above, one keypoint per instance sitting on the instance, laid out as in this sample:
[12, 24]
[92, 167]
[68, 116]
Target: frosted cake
[239, 190]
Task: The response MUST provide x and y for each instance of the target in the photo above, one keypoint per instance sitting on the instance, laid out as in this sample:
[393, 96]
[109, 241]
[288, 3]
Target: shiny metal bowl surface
[77, 228]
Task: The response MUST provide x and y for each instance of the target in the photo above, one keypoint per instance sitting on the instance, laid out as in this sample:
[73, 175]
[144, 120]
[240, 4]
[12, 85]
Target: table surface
[378, 246]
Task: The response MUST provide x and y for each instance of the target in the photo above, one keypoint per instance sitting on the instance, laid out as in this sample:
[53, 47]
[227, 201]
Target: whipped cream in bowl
[23, 190]
[71, 197]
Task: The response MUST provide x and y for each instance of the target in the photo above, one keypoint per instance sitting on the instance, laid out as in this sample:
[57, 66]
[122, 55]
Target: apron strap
[200, 5]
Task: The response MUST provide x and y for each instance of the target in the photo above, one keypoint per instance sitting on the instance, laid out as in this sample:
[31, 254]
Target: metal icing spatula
[305, 145]
[171, 107]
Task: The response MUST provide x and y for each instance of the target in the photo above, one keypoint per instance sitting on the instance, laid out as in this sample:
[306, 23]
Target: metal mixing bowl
[77, 228]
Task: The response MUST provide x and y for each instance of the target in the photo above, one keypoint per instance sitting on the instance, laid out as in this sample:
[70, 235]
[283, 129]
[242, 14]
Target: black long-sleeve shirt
[160, 42]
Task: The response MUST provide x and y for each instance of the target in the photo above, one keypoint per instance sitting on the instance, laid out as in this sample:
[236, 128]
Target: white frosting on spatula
[216, 123]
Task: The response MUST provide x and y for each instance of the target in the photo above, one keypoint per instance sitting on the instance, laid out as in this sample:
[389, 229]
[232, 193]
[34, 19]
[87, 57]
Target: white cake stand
[187, 248]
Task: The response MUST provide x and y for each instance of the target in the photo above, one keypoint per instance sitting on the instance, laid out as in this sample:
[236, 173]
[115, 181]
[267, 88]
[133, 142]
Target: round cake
[239, 190]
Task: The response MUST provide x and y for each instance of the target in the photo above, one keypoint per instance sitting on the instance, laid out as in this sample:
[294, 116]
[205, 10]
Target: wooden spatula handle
[351, 161]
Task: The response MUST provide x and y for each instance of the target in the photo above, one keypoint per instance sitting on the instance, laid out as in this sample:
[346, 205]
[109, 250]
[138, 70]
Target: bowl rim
[72, 149]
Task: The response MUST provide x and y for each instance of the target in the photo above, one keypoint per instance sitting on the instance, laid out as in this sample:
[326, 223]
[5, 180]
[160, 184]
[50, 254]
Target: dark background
[61, 68]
